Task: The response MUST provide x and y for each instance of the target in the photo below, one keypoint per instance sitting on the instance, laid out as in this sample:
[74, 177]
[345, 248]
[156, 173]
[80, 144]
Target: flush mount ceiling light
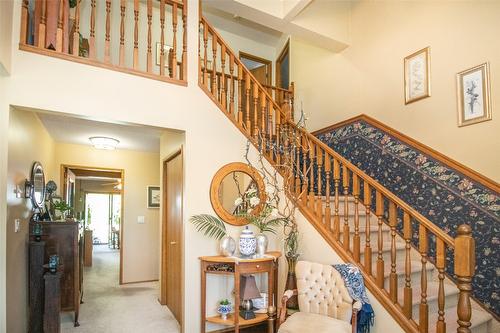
[102, 142]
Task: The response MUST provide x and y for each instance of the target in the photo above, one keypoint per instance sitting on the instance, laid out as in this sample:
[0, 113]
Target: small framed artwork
[417, 75]
[166, 49]
[153, 196]
[473, 92]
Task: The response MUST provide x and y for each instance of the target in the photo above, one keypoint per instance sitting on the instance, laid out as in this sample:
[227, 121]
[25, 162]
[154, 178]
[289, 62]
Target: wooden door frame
[163, 267]
[122, 191]
[279, 59]
[266, 62]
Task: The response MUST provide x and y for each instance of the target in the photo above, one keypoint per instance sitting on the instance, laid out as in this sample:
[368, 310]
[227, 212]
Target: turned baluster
[356, 240]
[123, 9]
[92, 51]
[255, 95]
[149, 54]
[174, 42]
[440, 264]
[407, 233]
[423, 321]
[240, 94]
[136, 35]
[42, 27]
[107, 34]
[393, 278]
[223, 77]
[319, 201]
[263, 123]
[76, 34]
[184, 41]
[311, 176]
[336, 216]
[379, 211]
[59, 32]
[231, 88]
[305, 182]
[345, 184]
[214, 66]
[24, 22]
[328, 209]
[367, 201]
[465, 263]
[292, 109]
[205, 54]
[270, 110]
[162, 38]
[247, 103]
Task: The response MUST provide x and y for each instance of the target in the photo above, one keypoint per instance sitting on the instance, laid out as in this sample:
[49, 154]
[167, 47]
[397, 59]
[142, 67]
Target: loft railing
[146, 38]
[328, 189]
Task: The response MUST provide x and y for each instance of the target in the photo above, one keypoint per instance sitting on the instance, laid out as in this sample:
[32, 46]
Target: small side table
[237, 266]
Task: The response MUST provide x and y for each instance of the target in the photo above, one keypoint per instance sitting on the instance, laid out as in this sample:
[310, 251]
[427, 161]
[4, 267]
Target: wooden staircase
[420, 274]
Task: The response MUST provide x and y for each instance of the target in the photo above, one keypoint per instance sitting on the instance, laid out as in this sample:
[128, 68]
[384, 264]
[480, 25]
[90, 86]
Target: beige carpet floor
[111, 308]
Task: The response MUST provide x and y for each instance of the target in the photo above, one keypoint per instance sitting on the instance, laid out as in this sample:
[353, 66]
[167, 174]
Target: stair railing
[127, 36]
[326, 187]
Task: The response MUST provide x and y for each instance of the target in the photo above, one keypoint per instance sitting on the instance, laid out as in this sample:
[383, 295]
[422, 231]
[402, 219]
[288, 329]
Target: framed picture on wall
[166, 49]
[153, 196]
[473, 92]
[417, 75]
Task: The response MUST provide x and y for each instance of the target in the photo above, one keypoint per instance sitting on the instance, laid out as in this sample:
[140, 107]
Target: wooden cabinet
[234, 266]
[65, 239]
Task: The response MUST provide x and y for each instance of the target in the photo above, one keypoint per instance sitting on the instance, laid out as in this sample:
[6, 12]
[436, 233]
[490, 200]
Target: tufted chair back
[321, 290]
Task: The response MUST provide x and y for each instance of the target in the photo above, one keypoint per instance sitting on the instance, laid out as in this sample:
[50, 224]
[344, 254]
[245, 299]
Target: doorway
[260, 68]
[103, 216]
[96, 196]
[171, 284]
[283, 67]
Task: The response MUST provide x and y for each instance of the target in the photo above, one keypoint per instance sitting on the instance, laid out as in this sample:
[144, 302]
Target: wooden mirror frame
[215, 187]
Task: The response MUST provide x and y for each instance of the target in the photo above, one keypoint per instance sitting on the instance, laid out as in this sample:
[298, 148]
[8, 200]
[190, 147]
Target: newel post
[465, 263]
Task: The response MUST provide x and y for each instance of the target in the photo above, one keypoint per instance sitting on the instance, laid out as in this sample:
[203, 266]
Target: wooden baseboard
[143, 281]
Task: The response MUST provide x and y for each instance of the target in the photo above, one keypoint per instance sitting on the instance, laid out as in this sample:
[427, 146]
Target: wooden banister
[103, 17]
[331, 192]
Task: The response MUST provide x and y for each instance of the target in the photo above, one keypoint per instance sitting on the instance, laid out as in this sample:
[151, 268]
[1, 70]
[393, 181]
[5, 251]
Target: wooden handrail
[320, 177]
[66, 43]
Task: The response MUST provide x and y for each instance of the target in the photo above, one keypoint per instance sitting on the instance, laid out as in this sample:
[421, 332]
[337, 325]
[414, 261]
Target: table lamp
[248, 290]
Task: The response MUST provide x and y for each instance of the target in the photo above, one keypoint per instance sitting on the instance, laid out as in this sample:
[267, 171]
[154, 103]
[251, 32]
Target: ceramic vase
[247, 243]
[227, 246]
[262, 242]
[224, 310]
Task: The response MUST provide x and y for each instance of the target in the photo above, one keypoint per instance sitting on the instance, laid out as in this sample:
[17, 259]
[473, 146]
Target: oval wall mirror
[37, 186]
[237, 190]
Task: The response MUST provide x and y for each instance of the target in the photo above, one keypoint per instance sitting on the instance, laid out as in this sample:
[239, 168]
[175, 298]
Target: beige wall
[29, 141]
[140, 242]
[5, 36]
[368, 76]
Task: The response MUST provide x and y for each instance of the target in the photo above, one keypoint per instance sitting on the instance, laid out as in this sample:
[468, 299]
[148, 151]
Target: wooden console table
[237, 267]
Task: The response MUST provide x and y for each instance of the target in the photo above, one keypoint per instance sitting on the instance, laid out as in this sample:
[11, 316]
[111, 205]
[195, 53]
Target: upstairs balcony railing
[141, 37]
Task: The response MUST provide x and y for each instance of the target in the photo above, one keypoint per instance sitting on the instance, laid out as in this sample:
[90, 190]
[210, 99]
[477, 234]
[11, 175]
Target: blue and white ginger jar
[248, 243]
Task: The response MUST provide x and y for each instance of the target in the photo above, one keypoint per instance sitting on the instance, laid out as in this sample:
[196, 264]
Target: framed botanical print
[153, 196]
[417, 75]
[473, 92]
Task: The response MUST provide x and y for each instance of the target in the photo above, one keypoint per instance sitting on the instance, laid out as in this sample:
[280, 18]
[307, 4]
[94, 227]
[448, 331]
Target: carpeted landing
[111, 308]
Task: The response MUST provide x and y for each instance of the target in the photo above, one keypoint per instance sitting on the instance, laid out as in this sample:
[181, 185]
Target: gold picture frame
[473, 95]
[417, 75]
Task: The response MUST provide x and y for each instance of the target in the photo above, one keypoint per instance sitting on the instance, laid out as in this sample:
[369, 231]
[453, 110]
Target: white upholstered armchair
[324, 302]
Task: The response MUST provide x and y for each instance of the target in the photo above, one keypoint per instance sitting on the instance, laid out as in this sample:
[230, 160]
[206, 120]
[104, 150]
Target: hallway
[109, 307]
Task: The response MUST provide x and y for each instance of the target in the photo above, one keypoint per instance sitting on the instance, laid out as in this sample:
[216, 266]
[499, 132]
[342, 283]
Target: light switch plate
[140, 219]
[17, 225]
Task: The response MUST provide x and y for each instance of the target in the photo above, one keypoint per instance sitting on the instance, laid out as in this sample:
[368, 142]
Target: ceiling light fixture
[102, 142]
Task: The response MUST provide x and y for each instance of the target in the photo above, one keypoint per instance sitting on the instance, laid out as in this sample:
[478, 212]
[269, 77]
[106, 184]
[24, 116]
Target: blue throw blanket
[353, 280]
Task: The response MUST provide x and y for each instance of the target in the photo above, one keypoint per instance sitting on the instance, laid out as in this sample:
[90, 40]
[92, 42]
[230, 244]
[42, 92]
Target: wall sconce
[18, 192]
[27, 189]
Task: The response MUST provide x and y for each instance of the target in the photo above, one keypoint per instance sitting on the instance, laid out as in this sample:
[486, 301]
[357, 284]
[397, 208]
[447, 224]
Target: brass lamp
[248, 291]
